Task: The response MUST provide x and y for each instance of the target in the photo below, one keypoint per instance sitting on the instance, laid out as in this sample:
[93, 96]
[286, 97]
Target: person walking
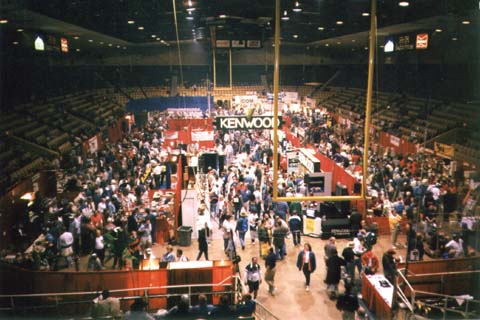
[279, 234]
[263, 238]
[334, 265]
[295, 225]
[242, 228]
[306, 263]
[204, 226]
[270, 269]
[253, 277]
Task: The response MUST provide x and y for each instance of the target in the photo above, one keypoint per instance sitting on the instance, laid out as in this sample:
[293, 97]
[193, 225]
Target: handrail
[118, 290]
[148, 296]
[263, 313]
[444, 308]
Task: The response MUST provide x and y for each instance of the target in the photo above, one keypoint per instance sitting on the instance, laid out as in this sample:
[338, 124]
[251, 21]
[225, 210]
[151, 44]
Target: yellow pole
[275, 99]
[230, 64]
[368, 107]
[214, 69]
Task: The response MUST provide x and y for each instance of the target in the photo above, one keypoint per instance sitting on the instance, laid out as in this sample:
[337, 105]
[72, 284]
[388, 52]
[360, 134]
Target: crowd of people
[112, 218]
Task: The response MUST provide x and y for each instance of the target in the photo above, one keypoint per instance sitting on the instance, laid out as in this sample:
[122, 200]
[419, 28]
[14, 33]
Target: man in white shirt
[456, 244]
[65, 243]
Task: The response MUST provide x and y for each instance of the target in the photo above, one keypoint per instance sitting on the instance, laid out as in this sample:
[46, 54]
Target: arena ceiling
[132, 23]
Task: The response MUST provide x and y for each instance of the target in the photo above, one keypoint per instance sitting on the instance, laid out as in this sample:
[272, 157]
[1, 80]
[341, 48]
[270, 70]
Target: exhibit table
[377, 292]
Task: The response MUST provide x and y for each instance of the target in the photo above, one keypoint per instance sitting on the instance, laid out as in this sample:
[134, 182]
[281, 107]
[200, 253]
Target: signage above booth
[245, 123]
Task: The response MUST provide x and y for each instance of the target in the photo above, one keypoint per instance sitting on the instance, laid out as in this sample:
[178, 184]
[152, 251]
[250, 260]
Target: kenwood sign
[245, 123]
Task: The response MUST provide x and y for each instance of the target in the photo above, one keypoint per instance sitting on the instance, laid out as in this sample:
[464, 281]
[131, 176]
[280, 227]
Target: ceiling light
[438, 30]
[285, 16]
[15, 42]
[110, 44]
[297, 7]
[465, 22]
[141, 28]
[90, 40]
[326, 44]
[366, 48]
[454, 38]
[190, 9]
[131, 22]
[353, 40]
[295, 36]
[339, 22]
[124, 48]
[3, 21]
[76, 37]
[404, 3]
[190, 3]
[78, 50]
[222, 16]
[153, 35]
[321, 28]
[365, 14]
[190, 18]
[339, 42]
[19, 30]
[382, 46]
[118, 47]
[101, 42]
[158, 39]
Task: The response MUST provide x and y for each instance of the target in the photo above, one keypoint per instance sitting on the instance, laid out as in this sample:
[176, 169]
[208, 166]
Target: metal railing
[263, 313]
[19, 302]
[419, 299]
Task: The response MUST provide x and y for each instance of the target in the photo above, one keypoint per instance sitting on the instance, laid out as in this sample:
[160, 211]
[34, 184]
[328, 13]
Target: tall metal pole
[230, 67]
[368, 107]
[214, 69]
[275, 98]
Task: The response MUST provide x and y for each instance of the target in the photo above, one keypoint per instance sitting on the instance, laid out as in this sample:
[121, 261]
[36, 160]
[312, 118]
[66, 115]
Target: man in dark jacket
[295, 225]
[334, 265]
[389, 265]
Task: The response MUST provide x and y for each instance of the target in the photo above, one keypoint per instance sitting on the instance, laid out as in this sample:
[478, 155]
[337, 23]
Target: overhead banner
[202, 136]
[245, 123]
[308, 160]
[254, 44]
[238, 44]
[222, 43]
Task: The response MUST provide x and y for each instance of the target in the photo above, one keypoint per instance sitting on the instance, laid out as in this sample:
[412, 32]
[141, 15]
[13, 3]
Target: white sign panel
[245, 99]
[202, 135]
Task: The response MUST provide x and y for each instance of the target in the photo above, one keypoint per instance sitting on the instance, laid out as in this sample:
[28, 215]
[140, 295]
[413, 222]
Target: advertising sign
[245, 123]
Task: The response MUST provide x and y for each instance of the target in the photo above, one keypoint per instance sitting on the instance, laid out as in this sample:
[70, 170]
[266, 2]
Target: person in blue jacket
[295, 225]
[307, 263]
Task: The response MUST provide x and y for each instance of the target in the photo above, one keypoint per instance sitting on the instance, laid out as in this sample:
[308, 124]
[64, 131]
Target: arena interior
[207, 159]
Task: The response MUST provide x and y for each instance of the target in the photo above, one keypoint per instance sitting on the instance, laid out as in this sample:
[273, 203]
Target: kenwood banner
[245, 123]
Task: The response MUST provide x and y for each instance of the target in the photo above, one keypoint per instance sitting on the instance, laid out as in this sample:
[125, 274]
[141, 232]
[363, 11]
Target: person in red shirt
[97, 220]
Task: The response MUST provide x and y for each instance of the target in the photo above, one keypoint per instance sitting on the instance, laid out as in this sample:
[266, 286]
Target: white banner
[245, 99]
[202, 135]
[173, 135]
[238, 44]
[395, 141]
[290, 96]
